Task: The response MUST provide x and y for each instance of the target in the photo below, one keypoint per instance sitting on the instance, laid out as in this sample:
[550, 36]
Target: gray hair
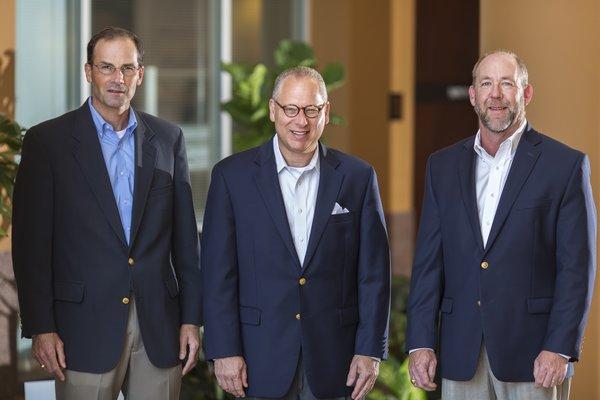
[299, 72]
[522, 75]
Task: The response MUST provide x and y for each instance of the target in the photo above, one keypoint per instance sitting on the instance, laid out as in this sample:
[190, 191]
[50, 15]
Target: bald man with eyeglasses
[295, 260]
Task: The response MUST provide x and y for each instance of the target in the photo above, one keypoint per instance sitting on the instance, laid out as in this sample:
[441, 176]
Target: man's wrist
[420, 348]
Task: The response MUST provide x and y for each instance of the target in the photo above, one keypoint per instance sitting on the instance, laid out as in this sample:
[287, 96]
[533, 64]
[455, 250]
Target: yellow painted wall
[559, 41]
[330, 40]
[7, 43]
[7, 25]
[402, 80]
[357, 33]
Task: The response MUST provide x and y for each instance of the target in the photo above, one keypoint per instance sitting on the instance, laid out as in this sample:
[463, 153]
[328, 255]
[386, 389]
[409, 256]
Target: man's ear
[528, 94]
[472, 95]
[88, 72]
[272, 110]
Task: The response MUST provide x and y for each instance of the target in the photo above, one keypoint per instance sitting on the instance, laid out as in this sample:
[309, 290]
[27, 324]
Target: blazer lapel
[466, 176]
[145, 162]
[525, 158]
[330, 182]
[267, 182]
[88, 153]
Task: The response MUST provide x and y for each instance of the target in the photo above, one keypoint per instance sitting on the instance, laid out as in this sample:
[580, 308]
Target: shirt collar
[102, 126]
[507, 148]
[281, 163]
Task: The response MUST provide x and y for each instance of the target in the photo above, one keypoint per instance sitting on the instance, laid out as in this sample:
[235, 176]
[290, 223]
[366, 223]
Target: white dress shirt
[490, 176]
[299, 186]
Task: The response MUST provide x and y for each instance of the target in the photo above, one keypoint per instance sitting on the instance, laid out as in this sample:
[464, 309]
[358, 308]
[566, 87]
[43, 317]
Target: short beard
[499, 126]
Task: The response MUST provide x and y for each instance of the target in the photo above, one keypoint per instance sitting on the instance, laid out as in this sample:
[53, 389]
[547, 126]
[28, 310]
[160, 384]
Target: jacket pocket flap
[157, 191]
[68, 291]
[172, 287]
[250, 315]
[349, 315]
[343, 217]
[533, 203]
[539, 305]
[446, 306]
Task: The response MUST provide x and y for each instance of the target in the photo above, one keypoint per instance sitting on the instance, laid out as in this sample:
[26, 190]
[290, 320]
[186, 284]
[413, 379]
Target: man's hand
[421, 367]
[231, 375]
[189, 336]
[362, 375]
[549, 369]
[49, 351]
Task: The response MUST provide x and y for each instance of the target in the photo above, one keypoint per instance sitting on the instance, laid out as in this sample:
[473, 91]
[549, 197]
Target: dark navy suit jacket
[71, 260]
[535, 292]
[252, 290]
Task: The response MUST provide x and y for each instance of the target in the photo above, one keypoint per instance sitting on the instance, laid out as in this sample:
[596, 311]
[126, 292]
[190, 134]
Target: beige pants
[485, 386]
[134, 375]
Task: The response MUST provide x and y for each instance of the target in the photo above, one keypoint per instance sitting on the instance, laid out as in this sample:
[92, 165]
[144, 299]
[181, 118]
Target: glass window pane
[180, 83]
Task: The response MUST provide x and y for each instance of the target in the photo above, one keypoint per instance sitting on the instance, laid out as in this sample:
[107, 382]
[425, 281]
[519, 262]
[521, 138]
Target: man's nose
[496, 91]
[118, 76]
[301, 118]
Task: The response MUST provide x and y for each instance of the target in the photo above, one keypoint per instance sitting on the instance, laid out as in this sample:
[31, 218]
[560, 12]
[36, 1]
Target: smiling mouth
[299, 133]
[497, 108]
[116, 91]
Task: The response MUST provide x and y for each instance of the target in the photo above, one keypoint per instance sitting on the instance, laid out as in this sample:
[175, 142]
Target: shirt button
[492, 195]
[121, 173]
[298, 317]
[125, 300]
[485, 265]
[488, 223]
[299, 211]
[301, 239]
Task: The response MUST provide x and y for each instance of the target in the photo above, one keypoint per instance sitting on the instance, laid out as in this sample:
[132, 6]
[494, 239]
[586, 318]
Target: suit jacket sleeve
[185, 244]
[575, 264]
[373, 276]
[32, 227]
[426, 278]
[220, 273]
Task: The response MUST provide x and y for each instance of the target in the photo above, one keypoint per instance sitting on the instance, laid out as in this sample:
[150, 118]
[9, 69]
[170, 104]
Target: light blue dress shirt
[119, 156]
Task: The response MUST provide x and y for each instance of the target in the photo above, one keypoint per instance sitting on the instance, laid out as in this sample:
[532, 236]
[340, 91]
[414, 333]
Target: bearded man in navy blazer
[505, 257]
[105, 244]
[295, 260]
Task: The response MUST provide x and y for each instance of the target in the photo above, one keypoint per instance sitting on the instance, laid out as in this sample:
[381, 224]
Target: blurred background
[400, 70]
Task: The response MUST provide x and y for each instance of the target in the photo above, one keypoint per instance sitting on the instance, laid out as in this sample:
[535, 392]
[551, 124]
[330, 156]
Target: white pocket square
[337, 209]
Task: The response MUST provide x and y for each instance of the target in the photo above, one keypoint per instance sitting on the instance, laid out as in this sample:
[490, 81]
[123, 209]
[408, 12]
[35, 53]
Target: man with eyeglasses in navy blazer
[295, 260]
[105, 244]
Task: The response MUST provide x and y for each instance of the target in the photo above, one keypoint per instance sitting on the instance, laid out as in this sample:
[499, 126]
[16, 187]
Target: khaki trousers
[134, 374]
[485, 386]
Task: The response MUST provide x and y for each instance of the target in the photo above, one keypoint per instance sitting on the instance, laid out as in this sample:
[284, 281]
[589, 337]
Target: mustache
[497, 104]
[118, 88]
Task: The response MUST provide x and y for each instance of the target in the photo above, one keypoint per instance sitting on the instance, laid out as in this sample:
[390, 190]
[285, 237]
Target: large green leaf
[333, 75]
[290, 54]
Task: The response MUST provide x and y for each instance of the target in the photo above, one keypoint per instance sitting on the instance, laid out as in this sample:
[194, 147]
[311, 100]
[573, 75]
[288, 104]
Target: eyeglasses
[291, 110]
[109, 69]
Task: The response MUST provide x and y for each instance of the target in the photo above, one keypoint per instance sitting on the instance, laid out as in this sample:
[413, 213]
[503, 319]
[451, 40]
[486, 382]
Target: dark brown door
[447, 47]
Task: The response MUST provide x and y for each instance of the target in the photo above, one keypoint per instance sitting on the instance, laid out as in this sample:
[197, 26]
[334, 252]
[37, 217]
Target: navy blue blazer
[530, 288]
[72, 263]
[255, 304]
